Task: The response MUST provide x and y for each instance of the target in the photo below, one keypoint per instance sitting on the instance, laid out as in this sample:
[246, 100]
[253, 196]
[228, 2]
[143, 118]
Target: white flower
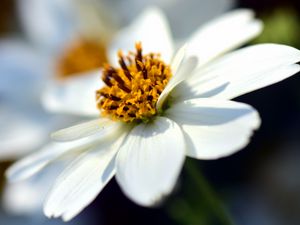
[25, 68]
[27, 65]
[193, 116]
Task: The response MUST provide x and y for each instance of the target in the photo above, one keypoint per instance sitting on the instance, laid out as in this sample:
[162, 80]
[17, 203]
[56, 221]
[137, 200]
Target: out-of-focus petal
[76, 95]
[26, 197]
[151, 29]
[19, 134]
[48, 23]
[22, 71]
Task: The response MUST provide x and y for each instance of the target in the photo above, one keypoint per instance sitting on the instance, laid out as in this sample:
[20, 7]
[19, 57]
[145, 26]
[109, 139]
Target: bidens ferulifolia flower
[152, 111]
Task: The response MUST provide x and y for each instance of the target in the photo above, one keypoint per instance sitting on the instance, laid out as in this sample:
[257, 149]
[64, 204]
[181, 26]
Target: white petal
[178, 58]
[27, 197]
[22, 68]
[24, 126]
[22, 198]
[184, 70]
[37, 161]
[74, 95]
[243, 71]
[150, 160]
[100, 126]
[49, 23]
[184, 16]
[152, 29]
[82, 181]
[19, 135]
[214, 128]
[223, 34]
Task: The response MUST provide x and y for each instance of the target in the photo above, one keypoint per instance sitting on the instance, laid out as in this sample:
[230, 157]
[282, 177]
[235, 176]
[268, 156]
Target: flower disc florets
[131, 91]
[81, 55]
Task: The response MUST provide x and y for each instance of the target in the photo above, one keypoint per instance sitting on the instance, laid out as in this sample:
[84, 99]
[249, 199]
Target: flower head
[24, 66]
[155, 111]
[131, 91]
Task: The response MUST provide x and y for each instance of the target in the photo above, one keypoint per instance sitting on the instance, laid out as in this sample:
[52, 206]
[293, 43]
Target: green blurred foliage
[280, 26]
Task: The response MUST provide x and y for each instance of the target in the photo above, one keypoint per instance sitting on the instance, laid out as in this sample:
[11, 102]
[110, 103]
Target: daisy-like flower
[68, 39]
[152, 111]
[25, 67]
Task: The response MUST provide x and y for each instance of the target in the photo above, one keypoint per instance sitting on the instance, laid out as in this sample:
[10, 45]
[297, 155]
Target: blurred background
[38, 38]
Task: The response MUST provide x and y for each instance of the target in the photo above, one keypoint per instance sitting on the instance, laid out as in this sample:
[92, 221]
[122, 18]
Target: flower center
[81, 56]
[132, 90]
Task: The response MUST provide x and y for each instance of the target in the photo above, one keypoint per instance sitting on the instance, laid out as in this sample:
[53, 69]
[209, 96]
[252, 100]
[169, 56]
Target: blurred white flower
[24, 124]
[165, 119]
[49, 25]
[26, 66]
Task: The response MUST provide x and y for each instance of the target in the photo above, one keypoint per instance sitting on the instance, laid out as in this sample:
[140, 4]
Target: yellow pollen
[81, 56]
[132, 90]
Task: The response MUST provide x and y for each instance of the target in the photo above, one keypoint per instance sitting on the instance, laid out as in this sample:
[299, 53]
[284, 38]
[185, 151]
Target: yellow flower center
[82, 55]
[132, 90]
